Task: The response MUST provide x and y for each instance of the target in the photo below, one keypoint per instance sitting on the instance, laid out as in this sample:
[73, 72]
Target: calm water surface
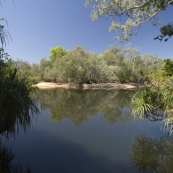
[84, 131]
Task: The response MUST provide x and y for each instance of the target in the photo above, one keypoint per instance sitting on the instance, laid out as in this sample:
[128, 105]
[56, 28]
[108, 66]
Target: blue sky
[36, 26]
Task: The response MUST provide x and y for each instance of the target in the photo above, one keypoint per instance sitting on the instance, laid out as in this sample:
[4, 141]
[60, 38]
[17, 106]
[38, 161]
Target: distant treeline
[79, 66]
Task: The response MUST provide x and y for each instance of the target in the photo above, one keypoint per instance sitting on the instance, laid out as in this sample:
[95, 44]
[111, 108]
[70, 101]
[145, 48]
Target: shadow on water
[79, 105]
[64, 156]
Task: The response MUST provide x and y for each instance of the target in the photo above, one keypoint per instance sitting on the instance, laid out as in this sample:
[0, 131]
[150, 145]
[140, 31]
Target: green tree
[131, 54]
[56, 53]
[44, 63]
[112, 56]
[23, 67]
[168, 67]
[135, 12]
[80, 66]
[71, 67]
[16, 104]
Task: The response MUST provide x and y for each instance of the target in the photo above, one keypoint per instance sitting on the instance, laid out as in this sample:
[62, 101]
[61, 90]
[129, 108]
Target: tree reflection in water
[79, 105]
[11, 120]
[152, 155]
[6, 161]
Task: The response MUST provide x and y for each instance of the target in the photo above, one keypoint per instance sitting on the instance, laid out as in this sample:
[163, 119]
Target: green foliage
[135, 13]
[112, 56]
[142, 103]
[44, 64]
[157, 96]
[22, 67]
[79, 66]
[155, 101]
[166, 31]
[57, 53]
[34, 79]
[16, 105]
[168, 67]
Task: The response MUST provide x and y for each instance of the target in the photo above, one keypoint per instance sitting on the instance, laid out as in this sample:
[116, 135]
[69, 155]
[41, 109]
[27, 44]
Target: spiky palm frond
[141, 103]
[168, 123]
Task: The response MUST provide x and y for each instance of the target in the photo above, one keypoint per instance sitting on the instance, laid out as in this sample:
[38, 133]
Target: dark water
[90, 131]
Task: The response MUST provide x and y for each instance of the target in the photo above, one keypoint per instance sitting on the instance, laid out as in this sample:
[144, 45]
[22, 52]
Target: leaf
[156, 38]
[146, 4]
[166, 39]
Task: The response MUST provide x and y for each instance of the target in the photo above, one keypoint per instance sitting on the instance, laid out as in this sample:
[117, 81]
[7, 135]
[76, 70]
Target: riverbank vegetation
[114, 65]
[79, 66]
[155, 101]
[16, 104]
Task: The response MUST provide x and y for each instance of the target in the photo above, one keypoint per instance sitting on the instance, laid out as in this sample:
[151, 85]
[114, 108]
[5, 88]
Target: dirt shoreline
[51, 85]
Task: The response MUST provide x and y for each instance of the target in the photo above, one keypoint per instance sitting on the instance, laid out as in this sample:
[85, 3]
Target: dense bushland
[155, 100]
[79, 66]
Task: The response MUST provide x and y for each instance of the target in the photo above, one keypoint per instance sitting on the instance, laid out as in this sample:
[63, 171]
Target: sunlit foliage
[155, 101]
[134, 12]
[79, 66]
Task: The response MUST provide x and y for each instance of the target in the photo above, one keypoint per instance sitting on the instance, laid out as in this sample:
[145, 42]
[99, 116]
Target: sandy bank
[49, 85]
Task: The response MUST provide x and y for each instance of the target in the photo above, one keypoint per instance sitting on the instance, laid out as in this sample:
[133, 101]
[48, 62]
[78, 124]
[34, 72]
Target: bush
[34, 79]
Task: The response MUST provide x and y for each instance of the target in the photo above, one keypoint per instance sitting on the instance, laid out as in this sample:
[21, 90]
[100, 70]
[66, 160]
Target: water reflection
[152, 155]
[95, 146]
[6, 161]
[78, 105]
[11, 120]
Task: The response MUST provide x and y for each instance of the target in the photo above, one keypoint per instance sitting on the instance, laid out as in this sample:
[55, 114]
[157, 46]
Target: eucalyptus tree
[112, 56]
[23, 67]
[51, 74]
[141, 66]
[35, 69]
[119, 62]
[152, 63]
[44, 63]
[135, 12]
[98, 69]
[131, 54]
[71, 68]
[79, 66]
[92, 67]
[57, 53]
